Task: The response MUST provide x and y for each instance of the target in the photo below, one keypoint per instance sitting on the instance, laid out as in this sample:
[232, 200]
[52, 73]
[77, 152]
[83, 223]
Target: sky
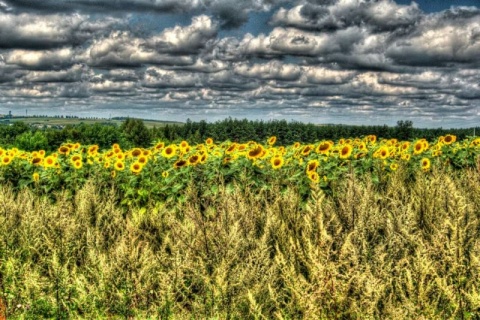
[320, 61]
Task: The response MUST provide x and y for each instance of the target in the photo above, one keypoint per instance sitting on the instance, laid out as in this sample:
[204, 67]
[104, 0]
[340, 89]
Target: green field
[54, 121]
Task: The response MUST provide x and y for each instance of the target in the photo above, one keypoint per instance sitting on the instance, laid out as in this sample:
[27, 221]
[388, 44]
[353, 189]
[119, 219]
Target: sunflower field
[355, 228]
[164, 170]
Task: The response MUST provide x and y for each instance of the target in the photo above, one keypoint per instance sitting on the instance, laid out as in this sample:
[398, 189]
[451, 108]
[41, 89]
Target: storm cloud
[310, 60]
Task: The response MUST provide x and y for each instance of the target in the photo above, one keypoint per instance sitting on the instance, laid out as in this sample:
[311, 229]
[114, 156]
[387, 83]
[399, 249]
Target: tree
[136, 132]
[404, 129]
[29, 141]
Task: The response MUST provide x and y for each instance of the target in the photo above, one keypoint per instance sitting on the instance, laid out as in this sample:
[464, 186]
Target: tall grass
[405, 249]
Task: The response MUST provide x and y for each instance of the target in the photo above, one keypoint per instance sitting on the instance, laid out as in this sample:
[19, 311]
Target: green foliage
[30, 141]
[136, 132]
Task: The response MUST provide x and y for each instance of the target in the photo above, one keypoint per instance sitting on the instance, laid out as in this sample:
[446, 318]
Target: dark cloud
[372, 60]
[33, 31]
[380, 15]
[232, 13]
[173, 46]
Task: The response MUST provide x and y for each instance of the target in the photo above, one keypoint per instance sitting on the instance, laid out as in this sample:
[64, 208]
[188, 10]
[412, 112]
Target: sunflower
[425, 164]
[36, 161]
[119, 166]
[296, 145]
[449, 139]
[360, 155]
[113, 173]
[256, 152]
[159, 146]
[180, 163]
[75, 158]
[92, 150]
[142, 159]
[231, 148]
[194, 159]
[64, 150]
[313, 176]
[277, 162]
[394, 166]
[372, 138]
[78, 164]
[6, 160]
[183, 144]
[106, 164]
[271, 141]
[136, 152]
[49, 162]
[346, 151]
[312, 165]
[306, 150]
[165, 174]
[418, 147]
[36, 177]
[383, 152]
[324, 147]
[209, 141]
[136, 167]
[169, 151]
[406, 156]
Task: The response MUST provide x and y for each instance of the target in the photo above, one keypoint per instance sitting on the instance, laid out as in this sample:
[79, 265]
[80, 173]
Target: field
[54, 121]
[354, 228]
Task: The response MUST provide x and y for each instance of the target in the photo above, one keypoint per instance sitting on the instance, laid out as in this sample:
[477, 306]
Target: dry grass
[407, 249]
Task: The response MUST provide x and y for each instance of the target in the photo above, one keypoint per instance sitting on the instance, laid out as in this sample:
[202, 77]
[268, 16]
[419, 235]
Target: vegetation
[362, 227]
[130, 132]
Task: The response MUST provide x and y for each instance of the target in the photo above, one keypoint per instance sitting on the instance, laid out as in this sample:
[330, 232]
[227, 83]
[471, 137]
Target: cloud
[451, 37]
[232, 13]
[332, 15]
[188, 39]
[322, 75]
[73, 74]
[159, 78]
[274, 70]
[173, 46]
[48, 59]
[33, 31]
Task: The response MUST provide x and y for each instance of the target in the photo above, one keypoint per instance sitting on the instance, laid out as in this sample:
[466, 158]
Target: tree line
[133, 132]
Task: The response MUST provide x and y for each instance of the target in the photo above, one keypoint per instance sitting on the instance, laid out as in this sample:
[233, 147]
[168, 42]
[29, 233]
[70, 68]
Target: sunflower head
[256, 152]
[194, 159]
[449, 139]
[313, 176]
[6, 160]
[346, 151]
[36, 177]
[78, 164]
[271, 141]
[119, 166]
[277, 162]
[136, 152]
[169, 151]
[418, 147]
[36, 161]
[324, 147]
[180, 163]
[64, 150]
[312, 165]
[136, 167]
[425, 163]
[209, 141]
